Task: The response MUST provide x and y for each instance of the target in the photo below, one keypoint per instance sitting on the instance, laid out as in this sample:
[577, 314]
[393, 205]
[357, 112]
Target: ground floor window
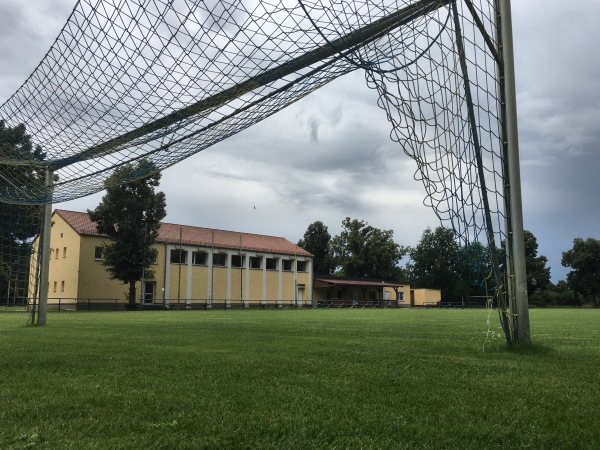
[148, 292]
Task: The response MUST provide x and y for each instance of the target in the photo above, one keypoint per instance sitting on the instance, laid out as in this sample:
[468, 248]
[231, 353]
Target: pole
[45, 248]
[516, 236]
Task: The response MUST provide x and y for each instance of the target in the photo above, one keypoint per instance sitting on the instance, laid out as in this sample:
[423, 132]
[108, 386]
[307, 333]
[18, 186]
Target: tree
[19, 223]
[584, 259]
[436, 264]
[317, 241]
[474, 269]
[538, 275]
[130, 214]
[363, 251]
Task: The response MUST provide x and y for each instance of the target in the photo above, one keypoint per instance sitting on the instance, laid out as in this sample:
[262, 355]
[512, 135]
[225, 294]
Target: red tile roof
[202, 237]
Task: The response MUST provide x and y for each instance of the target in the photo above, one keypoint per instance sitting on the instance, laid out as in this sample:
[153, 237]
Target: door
[300, 296]
[149, 288]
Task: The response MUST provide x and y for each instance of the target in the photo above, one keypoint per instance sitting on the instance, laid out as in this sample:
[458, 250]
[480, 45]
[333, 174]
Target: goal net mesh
[160, 80]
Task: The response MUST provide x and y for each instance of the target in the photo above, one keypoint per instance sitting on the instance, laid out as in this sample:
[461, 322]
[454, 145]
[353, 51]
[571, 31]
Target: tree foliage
[538, 275]
[18, 223]
[317, 241]
[130, 214]
[436, 263]
[363, 251]
[584, 259]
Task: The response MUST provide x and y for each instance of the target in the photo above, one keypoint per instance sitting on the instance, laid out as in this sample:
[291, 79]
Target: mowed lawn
[298, 379]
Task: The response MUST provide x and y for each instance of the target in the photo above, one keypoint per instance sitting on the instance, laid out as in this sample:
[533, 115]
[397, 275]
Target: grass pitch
[298, 379]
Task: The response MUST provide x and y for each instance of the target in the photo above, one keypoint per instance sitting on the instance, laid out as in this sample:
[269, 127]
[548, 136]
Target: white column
[229, 269]
[188, 292]
[263, 265]
[280, 281]
[247, 296]
[167, 283]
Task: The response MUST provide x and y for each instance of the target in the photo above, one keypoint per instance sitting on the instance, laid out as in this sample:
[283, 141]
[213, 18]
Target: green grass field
[298, 379]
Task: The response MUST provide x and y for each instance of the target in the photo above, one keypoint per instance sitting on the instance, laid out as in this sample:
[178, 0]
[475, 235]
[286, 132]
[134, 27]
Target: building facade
[195, 267]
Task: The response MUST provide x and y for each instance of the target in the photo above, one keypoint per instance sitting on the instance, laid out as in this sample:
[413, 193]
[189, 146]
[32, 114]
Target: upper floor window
[238, 260]
[271, 264]
[301, 266]
[98, 253]
[255, 262]
[287, 265]
[219, 259]
[199, 258]
[178, 256]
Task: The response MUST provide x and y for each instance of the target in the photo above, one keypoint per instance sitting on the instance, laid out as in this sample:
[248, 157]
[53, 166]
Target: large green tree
[363, 251]
[584, 259]
[19, 223]
[436, 263]
[538, 275]
[130, 214]
[317, 241]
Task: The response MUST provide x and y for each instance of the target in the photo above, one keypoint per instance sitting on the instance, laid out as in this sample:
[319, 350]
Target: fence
[113, 304]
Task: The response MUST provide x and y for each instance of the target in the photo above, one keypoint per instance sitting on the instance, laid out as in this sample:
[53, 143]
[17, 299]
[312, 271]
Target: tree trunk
[132, 294]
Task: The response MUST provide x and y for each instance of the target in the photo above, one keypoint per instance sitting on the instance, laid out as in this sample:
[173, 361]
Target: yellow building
[343, 292]
[425, 297]
[195, 267]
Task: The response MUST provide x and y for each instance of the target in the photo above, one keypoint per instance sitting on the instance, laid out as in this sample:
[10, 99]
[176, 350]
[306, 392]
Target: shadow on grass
[531, 349]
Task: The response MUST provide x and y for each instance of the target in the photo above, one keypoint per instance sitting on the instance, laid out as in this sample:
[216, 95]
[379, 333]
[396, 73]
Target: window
[54, 288]
[271, 264]
[199, 258]
[255, 262]
[301, 266]
[178, 256]
[64, 252]
[219, 259]
[56, 254]
[287, 265]
[98, 253]
[400, 296]
[62, 286]
[237, 260]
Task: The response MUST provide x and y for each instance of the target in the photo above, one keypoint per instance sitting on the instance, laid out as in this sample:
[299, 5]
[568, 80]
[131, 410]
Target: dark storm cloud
[558, 100]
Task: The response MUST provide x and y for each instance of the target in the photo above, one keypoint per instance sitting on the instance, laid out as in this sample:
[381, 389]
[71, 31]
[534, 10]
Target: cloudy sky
[329, 156]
